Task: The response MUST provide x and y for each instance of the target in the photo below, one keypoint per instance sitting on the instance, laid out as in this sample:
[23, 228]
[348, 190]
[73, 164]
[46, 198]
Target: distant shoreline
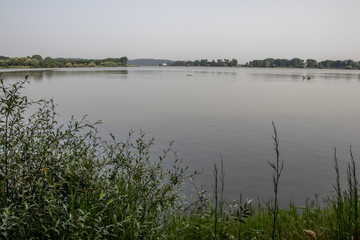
[14, 70]
[37, 62]
[274, 63]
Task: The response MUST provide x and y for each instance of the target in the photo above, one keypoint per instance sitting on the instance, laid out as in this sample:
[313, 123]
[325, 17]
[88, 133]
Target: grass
[62, 181]
[277, 167]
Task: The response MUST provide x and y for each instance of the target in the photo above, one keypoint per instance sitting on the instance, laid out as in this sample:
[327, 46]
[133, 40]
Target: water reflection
[37, 75]
[42, 74]
[93, 70]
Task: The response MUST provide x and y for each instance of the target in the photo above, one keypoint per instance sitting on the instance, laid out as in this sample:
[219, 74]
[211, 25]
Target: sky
[181, 29]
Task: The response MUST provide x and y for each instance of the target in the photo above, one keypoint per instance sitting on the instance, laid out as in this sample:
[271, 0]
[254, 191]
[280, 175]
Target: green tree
[297, 63]
[3, 63]
[326, 64]
[233, 62]
[311, 63]
[109, 64]
[268, 62]
[48, 59]
[203, 62]
[32, 63]
[349, 64]
[281, 62]
[68, 65]
[337, 64]
[212, 63]
[17, 61]
[355, 65]
[48, 62]
[123, 61]
[36, 56]
[257, 63]
[92, 64]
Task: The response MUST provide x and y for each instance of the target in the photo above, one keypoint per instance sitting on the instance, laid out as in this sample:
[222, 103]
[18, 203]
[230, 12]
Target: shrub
[60, 181]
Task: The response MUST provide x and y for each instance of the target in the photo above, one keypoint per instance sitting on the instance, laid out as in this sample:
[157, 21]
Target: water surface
[228, 111]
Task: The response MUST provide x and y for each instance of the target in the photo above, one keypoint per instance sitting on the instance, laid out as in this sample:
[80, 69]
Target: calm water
[213, 111]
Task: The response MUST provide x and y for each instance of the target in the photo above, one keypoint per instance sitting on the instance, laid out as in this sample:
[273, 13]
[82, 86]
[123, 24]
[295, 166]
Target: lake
[227, 111]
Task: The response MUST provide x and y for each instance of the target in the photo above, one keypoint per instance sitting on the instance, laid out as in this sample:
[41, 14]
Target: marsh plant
[277, 167]
[345, 203]
[61, 181]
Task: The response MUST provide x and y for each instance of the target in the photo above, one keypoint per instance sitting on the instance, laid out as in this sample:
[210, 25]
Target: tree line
[300, 63]
[36, 61]
[206, 63]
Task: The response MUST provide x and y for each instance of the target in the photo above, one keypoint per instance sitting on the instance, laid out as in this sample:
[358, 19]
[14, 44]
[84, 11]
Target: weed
[277, 166]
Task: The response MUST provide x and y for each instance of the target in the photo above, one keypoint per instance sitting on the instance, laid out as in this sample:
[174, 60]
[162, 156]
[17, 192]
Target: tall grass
[67, 182]
[353, 196]
[62, 181]
[339, 203]
[277, 166]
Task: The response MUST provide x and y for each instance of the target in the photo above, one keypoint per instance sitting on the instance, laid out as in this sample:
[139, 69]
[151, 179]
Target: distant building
[163, 64]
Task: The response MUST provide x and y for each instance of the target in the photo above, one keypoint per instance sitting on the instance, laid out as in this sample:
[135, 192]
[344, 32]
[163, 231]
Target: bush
[66, 182]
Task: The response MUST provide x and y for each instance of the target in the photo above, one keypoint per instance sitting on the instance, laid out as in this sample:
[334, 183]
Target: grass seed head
[311, 234]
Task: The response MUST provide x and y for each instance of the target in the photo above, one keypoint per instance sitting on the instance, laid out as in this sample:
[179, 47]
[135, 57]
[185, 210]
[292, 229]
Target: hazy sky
[181, 29]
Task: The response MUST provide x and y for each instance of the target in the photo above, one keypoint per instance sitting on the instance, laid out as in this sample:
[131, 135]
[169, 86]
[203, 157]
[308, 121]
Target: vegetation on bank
[150, 62]
[273, 63]
[300, 63]
[62, 181]
[36, 61]
[206, 63]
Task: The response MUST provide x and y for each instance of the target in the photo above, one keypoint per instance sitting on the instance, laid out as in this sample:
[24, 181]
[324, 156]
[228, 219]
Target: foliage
[277, 166]
[67, 182]
[37, 57]
[36, 61]
[299, 63]
[206, 63]
[68, 65]
[149, 62]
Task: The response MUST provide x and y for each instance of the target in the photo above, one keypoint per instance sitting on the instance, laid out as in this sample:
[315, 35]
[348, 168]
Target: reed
[219, 203]
[277, 167]
[216, 216]
[353, 196]
[338, 204]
